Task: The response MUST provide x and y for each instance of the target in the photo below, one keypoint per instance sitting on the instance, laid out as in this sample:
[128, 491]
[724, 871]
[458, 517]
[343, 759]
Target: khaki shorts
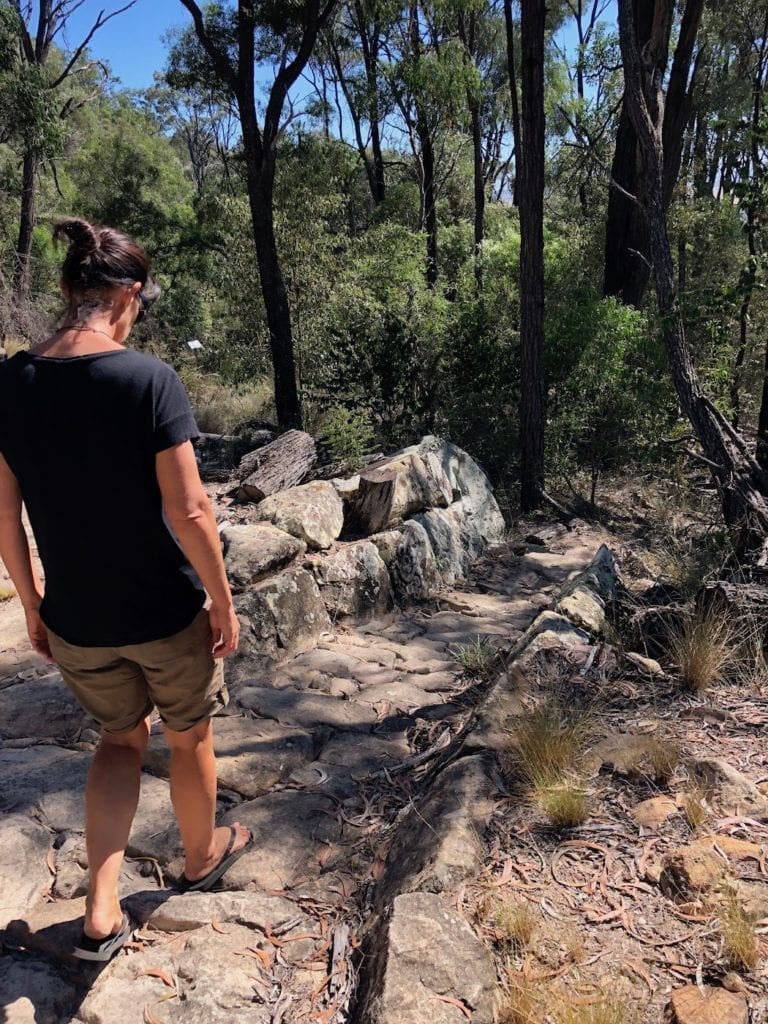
[118, 686]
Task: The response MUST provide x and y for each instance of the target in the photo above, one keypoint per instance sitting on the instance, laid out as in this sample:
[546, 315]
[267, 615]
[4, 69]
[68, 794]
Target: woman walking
[96, 441]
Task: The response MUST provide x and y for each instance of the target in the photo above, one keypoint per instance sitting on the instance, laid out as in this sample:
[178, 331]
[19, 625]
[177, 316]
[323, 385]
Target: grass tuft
[521, 1004]
[664, 757]
[564, 804]
[516, 922]
[478, 658]
[694, 806]
[548, 743]
[739, 938]
[703, 646]
[612, 1011]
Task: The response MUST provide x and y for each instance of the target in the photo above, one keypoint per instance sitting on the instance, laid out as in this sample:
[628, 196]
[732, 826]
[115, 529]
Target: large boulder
[454, 539]
[313, 512]
[281, 616]
[353, 581]
[253, 551]
[470, 486]
[408, 555]
[393, 489]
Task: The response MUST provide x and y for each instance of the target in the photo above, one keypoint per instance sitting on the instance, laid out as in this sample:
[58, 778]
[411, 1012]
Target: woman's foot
[227, 840]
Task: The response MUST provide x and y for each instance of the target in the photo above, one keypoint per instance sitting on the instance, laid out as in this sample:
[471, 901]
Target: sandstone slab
[176, 913]
[253, 551]
[24, 873]
[290, 828]
[313, 512]
[689, 871]
[424, 952]
[353, 581]
[41, 708]
[714, 1006]
[307, 709]
[251, 755]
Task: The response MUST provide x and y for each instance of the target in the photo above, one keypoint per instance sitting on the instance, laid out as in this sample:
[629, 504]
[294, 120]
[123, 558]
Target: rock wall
[356, 548]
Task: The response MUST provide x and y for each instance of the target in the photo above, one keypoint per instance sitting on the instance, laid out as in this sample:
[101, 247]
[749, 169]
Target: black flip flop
[229, 857]
[102, 950]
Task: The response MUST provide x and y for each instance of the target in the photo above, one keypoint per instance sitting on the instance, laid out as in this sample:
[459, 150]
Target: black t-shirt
[80, 434]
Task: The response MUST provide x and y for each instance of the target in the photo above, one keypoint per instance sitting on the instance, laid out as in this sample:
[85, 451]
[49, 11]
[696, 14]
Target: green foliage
[348, 433]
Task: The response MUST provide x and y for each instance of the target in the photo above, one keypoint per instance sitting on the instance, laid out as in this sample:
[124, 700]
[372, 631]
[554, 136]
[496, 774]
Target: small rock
[648, 665]
[585, 608]
[651, 814]
[253, 551]
[728, 789]
[313, 512]
[716, 1006]
[690, 870]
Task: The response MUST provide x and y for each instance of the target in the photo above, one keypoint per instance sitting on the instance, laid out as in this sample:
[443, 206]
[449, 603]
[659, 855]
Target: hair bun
[82, 235]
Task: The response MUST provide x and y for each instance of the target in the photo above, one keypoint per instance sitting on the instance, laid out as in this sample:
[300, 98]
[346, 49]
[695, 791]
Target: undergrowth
[704, 646]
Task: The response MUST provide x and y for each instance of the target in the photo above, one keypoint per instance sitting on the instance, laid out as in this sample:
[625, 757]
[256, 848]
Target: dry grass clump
[564, 804]
[738, 932]
[548, 743]
[12, 345]
[7, 591]
[703, 646]
[694, 806]
[612, 1011]
[521, 1003]
[664, 757]
[220, 409]
[478, 658]
[516, 922]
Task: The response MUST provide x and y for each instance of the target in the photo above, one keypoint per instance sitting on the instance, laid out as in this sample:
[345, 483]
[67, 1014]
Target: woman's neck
[81, 339]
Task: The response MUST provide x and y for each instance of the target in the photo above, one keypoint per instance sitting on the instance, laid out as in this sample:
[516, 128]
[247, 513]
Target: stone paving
[317, 756]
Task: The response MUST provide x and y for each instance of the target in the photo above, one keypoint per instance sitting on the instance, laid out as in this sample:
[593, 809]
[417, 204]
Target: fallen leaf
[156, 972]
[458, 1003]
[150, 1017]
[50, 861]
[218, 928]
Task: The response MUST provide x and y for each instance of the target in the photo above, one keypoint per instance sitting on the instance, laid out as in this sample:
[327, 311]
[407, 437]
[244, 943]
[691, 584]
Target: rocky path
[324, 758]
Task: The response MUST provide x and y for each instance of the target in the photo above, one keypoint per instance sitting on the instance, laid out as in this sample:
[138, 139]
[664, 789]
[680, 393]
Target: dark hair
[100, 257]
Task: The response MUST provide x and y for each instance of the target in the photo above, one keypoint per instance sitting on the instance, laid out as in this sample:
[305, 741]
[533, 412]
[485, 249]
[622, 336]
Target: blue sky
[132, 42]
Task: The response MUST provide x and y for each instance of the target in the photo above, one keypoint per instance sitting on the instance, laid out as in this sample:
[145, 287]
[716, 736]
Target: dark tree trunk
[429, 194]
[260, 180]
[741, 483]
[21, 273]
[467, 34]
[627, 248]
[516, 133]
[762, 419]
[370, 47]
[532, 256]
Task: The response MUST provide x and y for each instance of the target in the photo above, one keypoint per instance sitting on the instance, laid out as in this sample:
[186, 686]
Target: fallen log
[284, 463]
[742, 601]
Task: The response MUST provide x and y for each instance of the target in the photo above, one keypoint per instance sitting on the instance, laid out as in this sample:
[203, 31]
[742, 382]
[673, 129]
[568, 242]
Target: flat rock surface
[326, 757]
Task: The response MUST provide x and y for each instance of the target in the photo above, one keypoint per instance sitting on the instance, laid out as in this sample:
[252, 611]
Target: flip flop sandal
[102, 950]
[229, 857]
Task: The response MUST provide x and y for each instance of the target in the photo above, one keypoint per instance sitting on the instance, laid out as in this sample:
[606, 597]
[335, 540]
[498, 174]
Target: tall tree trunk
[467, 35]
[532, 256]
[426, 159]
[741, 483]
[516, 133]
[370, 48]
[260, 180]
[627, 249]
[21, 273]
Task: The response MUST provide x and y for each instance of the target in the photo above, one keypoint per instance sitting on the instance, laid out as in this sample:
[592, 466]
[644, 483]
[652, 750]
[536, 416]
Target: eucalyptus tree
[43, 87]
[742, 483]
[232, 41]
